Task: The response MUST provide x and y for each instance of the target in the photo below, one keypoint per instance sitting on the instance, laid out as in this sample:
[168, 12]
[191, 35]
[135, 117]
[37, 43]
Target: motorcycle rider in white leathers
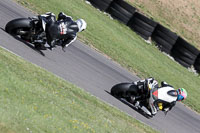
[160, 98]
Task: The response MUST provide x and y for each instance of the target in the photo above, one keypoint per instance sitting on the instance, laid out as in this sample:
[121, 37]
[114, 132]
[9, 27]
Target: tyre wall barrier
[184, 53]
[121, 11]
[164, 38]
[142, 25]
[101, 4]
[197, 64]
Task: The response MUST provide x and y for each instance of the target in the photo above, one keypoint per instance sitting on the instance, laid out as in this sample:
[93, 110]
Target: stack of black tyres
[164, 38]
[121, 11]
[197, 64]
[101, 4]
[142, 25]
[184, 53]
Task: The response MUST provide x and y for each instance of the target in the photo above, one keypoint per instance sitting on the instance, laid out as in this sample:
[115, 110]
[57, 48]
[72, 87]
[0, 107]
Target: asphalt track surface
[91, 71]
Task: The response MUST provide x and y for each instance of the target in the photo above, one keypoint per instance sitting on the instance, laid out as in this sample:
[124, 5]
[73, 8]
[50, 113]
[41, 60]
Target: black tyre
[16, 24]
[125, 6]
[197, 60]
[197, 63]
[166, 50]
[183, 63]
[197, 67]
[182, 43]
[100, 4]
[167, 32]
[184, 51]
[123, 90]
[164, 37]
[144, 19]
[106, 1]
[119, 16]
[121, 10]
[161, 42]
[145, 34]
[184, 55]
[184, 58]
[143, 24]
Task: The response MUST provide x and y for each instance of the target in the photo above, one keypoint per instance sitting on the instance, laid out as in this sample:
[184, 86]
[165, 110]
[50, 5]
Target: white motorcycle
[144, 93]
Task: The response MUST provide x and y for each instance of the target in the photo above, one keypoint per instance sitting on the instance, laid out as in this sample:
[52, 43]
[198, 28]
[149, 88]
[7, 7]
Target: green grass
[34, 100]
[180, 16]
[124, 46]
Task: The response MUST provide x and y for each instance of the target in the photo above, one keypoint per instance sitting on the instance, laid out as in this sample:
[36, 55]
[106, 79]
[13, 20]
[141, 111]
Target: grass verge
[181, 16]
[124, 46]
[34, 100]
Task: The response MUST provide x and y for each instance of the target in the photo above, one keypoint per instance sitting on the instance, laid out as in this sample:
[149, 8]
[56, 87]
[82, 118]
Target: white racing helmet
[81, 24]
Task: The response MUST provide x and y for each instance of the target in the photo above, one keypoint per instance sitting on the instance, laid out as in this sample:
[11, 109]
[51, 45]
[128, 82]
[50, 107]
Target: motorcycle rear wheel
[123, 90]
[13, 27]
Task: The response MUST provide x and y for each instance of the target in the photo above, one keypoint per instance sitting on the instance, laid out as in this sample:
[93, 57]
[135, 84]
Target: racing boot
[40, 46]
[52, 44]
[132, 100]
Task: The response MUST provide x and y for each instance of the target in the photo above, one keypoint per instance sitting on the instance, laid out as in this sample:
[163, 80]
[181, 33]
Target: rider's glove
[166, 109]
[60, 15]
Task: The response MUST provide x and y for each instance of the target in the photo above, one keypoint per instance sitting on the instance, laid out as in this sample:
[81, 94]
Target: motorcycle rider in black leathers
[64, 29]
[164, 97]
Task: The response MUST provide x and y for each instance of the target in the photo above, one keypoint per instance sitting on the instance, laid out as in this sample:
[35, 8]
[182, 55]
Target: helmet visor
[182, 94]
[180, 98]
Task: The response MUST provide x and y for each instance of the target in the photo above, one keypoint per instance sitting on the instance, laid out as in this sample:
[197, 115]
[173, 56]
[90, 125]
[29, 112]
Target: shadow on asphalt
[26, 43]
[131, 106]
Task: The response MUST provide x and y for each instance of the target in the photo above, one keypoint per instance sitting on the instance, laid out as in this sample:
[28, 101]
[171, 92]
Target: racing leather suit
[160, 98]
[64, 29]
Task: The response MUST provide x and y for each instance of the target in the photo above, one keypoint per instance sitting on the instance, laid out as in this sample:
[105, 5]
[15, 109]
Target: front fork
[151, 103]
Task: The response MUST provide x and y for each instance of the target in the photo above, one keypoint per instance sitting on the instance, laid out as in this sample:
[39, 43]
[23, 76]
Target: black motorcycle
[31, 30]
